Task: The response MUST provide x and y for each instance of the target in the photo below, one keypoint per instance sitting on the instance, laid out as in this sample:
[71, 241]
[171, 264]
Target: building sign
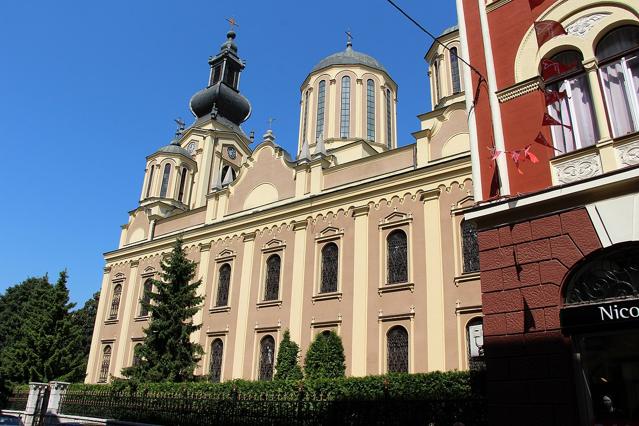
[601, 316]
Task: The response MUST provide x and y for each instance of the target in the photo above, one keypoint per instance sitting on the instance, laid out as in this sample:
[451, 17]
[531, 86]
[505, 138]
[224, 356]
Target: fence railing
[236, 409]
[17, 401]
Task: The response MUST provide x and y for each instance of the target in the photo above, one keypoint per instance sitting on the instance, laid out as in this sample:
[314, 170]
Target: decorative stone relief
[578, 168]
[629, 154]
[581, 26]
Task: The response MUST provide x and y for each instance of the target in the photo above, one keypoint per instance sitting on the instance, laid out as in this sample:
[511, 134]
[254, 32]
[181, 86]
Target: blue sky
[89, 89]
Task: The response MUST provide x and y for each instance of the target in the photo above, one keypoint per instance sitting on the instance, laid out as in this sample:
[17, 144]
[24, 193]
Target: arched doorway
[601, 315]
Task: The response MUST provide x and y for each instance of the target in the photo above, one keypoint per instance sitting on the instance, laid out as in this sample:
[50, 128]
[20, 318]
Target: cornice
[519, 89]
[496, 5]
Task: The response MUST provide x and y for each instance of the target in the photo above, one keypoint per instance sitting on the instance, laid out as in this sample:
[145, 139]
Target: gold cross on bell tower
[233, 23]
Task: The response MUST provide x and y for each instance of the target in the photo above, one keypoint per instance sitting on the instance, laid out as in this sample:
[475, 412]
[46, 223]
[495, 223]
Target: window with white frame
[223, 284]
[165, 180]
[183, 175]
[370, 110]
[470, 247]
[574, 108]
[105, 365]
[321, 95]
[397, 257]
[215, 363]
[345, 115]
[115, 301]
[618, 57]
[330, 265]
[272, 282]
[397, 350]
[266, 358]
[454, 70]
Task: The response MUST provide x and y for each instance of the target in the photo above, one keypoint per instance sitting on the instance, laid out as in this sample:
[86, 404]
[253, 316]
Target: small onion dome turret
[222, 96]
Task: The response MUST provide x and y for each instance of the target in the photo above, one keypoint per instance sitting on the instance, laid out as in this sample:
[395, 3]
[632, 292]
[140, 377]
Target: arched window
[136, 354]
[389, 115]
[150, 183]
[146, 297]
[437, 86]
[223, 285]
[575, 109]
[106, 362]
[397, 350]
[397, 249]
[228, 175]
[165, 180]
[115, 301]
[618, 56]
[182, 183]
[330, 260]
[345, 123]
[321, 95]
[454, 70]
[475, 335]
[267, 358]
[305, 117]
[370, 110]
[272, 287]
[470, 246]
[215, 365]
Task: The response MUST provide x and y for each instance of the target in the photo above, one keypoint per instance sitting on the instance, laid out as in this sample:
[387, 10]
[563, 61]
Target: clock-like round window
[191, 148]
[232, 152]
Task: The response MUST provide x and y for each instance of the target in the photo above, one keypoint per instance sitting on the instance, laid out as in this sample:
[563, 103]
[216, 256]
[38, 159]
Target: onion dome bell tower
[222, 97]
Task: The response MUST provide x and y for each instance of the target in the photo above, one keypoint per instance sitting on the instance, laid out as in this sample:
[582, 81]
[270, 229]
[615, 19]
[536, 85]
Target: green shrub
[287, 366]
[325, 357]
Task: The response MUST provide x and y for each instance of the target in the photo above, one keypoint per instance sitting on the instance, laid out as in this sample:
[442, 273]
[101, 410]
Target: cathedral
[355, 232]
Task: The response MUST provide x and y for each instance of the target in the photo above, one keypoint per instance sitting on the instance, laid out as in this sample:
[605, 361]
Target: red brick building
[558, 237]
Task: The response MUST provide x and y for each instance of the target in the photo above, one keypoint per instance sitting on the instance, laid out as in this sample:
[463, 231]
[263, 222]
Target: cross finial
[233, 22]
[270, 123]
[349, 38]
[180, 126]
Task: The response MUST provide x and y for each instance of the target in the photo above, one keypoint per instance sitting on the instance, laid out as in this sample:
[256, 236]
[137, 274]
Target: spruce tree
[325, 357]
[287, 366]
[167, 353]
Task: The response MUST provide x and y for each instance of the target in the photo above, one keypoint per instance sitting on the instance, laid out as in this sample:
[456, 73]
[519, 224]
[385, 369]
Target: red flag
[552, 96]
[493, 155]
[546, 30]
[540, 139]
[549, 121]
[534, 3]
[515, 155]
[529, 155]
[550, 68]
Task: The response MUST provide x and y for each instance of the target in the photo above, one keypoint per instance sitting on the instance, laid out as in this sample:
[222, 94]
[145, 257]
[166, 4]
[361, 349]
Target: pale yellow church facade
[355, 232]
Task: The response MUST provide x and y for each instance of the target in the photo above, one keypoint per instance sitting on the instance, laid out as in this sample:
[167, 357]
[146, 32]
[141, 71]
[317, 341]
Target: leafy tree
[325, 357]
[84, 318]
[45, 343]
[287, 366]
[167, 353]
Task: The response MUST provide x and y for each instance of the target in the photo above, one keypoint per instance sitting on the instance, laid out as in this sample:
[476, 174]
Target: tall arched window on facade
[397, 350]
[321, 98]
[370, 110]
[146, 297]
[618, 56]
[305, 116]
[575, 109]
[437, 86]
[183, 175]
[106, 363]
[454, 70]
[330, 262]
[389, 115]
[223, 284]
[136, 355]
[267, 358]
[215, 364]
[470, 246]
[272, 285]
[165, 180]
[397, 257]
[345, 116]
[150, 183]
[115, 301]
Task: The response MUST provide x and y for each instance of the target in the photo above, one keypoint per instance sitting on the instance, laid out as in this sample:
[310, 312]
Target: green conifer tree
[287, 365]
[325, 357]
[167, 353]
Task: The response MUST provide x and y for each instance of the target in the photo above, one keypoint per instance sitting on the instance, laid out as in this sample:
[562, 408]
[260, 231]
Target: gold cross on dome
[233, 22]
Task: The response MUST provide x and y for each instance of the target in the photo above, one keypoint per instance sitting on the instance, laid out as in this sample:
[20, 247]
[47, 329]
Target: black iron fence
[17, 400]
[235, 409]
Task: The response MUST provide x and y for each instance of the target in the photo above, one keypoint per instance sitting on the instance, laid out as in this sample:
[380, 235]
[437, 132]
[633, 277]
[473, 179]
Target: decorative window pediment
[396, 218]
[224, 254]
[329, 232]
[274, 244]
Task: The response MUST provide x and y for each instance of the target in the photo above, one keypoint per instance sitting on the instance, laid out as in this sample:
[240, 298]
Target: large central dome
[349, 57]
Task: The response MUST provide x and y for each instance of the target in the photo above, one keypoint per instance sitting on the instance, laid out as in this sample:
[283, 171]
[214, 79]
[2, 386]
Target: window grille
[115, 301]
[321, 94]
[106, 362]
[346, 107]
[397, 350]
[397, 257]
[470, 247]
[267, 358]
[272, 288]
[370, 110]
[146, 297]
[223, 285]
[165, 180]
[330, 260]
[215, 367]
[454, 70]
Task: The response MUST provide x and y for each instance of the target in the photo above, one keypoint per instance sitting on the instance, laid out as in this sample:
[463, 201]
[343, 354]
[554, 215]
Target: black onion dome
[228, 102]
[349, 57]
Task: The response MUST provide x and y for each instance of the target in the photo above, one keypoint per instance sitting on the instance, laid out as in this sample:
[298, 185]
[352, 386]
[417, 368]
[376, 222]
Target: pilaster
[297, 292]
[203, 272]
[94, 351]
[130, 301]
[360, 291]
[243, 305]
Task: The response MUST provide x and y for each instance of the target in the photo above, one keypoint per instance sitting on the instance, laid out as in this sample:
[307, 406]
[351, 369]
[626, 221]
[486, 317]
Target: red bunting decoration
[552, 96]
[528, 155]
[534, 3]
[493, 155]
[550, 68]
[547, 30]
[515, 156]
[549, 121]
[540, 139]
